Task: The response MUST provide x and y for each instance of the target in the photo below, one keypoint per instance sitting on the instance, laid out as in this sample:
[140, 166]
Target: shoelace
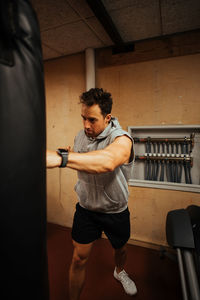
[124, 277]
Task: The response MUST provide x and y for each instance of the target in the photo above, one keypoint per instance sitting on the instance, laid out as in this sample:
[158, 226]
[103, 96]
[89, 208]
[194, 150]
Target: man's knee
[78, 261]
[80, 255]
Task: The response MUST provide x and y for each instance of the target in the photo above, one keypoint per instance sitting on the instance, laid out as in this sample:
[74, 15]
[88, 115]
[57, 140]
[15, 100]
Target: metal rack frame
[152, 140]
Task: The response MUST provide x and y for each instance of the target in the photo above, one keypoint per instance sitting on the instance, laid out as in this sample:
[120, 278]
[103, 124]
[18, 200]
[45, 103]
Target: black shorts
[88, 226]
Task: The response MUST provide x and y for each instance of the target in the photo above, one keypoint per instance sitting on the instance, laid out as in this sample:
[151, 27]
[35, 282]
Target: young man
[103, 157]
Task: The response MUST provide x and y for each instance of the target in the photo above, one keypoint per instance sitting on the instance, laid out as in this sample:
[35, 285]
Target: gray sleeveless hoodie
[105, 192]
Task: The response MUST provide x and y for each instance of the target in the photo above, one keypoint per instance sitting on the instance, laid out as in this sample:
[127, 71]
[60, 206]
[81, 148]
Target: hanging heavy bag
[22, 155]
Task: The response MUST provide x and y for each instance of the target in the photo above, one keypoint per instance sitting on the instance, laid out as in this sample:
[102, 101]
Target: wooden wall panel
[149, 208]
[167, 46]
[145, 93]
[64, 81]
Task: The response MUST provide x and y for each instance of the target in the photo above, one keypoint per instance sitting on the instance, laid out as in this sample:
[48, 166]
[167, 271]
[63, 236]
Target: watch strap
[64, 155]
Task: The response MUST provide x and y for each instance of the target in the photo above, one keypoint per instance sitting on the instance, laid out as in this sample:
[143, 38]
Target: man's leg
[120, 274]
[77, 269]
[120, 258]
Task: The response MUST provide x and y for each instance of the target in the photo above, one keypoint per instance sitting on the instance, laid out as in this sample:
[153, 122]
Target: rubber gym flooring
[155, 278]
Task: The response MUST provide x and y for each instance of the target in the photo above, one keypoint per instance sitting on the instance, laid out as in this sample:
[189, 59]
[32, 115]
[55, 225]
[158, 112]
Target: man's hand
[53, 159]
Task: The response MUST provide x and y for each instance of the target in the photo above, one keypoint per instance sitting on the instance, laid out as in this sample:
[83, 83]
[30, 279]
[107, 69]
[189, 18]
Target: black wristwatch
[64, 154]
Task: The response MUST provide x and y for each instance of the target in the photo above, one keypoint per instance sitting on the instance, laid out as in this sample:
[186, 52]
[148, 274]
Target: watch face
[62, 150]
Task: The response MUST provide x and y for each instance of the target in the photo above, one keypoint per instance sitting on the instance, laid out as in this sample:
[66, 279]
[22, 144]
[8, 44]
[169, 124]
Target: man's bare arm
[52, 159]
[99, 161]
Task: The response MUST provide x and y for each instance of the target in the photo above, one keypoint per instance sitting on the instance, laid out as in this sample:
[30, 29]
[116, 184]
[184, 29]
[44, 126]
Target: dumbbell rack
[167, 157]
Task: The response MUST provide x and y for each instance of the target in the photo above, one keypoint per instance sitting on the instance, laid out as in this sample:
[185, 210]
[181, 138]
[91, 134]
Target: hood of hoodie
[113, 125]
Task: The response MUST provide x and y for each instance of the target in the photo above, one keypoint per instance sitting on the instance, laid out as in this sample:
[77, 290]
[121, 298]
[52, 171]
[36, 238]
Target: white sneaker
[128, 284]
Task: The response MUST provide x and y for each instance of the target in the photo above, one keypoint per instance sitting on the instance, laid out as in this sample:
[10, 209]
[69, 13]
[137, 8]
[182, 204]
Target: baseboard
[144, 244]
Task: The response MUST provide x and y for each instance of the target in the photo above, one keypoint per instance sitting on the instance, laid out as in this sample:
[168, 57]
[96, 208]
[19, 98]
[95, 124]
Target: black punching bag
[23, 255]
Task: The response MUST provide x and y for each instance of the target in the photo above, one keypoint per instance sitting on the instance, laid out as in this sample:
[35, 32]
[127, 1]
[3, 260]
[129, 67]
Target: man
[103, 157]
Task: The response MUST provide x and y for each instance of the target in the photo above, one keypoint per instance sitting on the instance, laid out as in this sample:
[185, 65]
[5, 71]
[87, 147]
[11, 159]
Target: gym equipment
[183, 234]
[168, 159]
[22, 155]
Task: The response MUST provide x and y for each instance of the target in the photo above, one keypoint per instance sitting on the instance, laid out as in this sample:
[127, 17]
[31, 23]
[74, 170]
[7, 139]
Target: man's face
[93, 120]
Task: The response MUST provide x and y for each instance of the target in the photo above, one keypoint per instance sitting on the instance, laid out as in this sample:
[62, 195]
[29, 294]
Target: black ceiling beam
[104, 18]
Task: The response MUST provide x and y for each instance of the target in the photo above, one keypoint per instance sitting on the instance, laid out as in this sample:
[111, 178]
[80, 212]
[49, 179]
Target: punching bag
[23, 254]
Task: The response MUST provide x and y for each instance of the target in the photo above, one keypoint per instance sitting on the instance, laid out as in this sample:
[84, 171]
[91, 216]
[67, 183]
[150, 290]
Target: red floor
[155, 278]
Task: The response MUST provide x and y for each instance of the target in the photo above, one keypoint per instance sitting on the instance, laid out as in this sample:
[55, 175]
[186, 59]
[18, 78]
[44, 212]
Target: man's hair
[100, 97]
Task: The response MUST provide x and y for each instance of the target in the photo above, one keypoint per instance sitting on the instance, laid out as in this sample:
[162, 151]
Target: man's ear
[108, 117]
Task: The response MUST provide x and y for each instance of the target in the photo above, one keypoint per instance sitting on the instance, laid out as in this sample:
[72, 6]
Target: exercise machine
[183, 235]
